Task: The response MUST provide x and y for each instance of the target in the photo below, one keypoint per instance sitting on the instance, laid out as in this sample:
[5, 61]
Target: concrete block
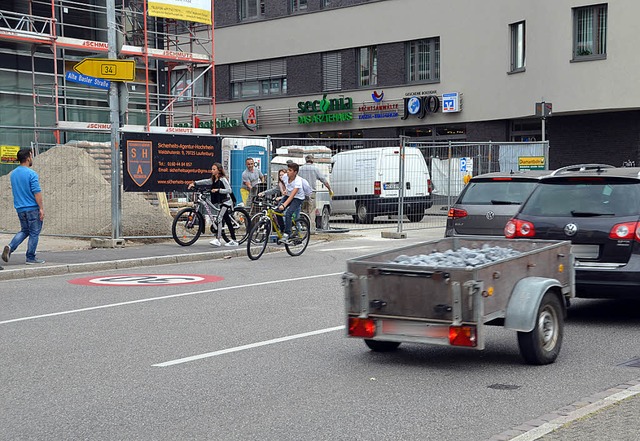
[107, 243]
[393, 235]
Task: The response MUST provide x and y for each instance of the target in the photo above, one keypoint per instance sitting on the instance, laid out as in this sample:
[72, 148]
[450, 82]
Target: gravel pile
[460, 258]
[77, 199]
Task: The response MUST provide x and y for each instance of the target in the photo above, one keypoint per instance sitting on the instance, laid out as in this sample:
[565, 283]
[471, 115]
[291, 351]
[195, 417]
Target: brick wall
[609, 138]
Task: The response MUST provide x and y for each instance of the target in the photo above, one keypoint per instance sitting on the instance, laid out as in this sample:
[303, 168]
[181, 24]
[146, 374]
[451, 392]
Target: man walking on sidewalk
[311, 173]
[27, 200]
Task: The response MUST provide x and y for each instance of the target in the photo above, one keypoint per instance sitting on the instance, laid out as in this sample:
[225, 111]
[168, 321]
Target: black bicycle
[266, 222]
[189, 223]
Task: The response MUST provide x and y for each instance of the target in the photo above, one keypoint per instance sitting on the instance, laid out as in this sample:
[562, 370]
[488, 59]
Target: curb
[546, 424]
[71, 268]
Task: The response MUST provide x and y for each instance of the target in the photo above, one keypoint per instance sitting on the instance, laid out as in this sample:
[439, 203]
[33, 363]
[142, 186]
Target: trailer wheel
[382, 346]
[542, 344]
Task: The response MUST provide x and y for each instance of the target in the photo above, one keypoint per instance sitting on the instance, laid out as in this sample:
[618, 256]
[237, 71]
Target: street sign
[75, 77]
[531, 163]
[114, 70]
[544, 109]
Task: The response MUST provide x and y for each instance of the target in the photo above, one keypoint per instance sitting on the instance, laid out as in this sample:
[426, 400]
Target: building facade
[435, 70]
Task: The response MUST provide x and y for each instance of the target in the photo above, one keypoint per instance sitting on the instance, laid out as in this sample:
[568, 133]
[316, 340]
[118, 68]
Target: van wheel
[363, 214]
[323, 221]
[415, 217]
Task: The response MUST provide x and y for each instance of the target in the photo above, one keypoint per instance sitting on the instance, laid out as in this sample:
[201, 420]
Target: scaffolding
[174, 83]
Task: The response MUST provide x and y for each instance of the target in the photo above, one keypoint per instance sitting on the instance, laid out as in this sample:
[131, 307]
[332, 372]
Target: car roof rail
[581, 167]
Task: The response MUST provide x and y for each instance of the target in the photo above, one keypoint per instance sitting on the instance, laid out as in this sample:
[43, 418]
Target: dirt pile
[77, 199]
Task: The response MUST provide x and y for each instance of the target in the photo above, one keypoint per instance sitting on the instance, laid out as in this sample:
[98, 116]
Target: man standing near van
[312, 174]
[27, 200]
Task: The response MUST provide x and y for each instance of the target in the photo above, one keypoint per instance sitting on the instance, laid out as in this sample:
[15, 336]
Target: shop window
[259, 79]
[423, 60]
[331, 71]
[250, 9]
[298, 5]
[590, 32]
[368, 66]
[517, 46]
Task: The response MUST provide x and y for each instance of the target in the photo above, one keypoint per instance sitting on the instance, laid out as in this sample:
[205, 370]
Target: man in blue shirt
[27, 200]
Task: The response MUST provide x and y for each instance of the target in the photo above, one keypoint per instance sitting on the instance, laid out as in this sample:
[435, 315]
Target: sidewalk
[608, 415]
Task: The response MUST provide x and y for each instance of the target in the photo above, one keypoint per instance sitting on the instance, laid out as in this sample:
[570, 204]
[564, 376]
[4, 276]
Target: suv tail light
[456, 213]
[377, 188]
[519, 228]
[625, 231]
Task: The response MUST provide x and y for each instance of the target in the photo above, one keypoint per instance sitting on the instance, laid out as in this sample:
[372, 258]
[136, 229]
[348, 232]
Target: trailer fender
[524, 302]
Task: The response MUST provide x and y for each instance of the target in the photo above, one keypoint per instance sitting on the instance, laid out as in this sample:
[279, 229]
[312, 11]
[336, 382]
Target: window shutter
[332, 71]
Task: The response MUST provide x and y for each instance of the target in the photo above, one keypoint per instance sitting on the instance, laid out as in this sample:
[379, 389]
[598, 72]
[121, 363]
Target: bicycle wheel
[187, 226]
[240, 217]
[299, 236]
[258, 238]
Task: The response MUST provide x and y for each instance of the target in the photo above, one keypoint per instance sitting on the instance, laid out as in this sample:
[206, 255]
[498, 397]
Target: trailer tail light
[463, 336]
[456, 213]
[625, 231]
[519, 228]
[377, 188]
[359, 327]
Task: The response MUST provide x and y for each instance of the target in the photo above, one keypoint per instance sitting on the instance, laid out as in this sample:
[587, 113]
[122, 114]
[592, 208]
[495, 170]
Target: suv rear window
[496, 192]
[584, 198]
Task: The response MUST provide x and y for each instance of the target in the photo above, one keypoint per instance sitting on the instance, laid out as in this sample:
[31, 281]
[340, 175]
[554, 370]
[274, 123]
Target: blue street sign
[463, 164]
[75, 77]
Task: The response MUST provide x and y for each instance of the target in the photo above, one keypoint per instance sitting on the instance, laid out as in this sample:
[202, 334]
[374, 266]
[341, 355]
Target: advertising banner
[160, 163]
[188, 10]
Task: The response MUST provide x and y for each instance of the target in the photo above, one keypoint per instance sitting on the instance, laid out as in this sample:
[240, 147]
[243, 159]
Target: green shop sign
[221, 123]
[317, 111]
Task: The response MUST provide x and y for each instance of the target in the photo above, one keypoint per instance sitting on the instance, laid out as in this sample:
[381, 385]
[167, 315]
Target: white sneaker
[285, 238]
[231, 243]
[215, 242]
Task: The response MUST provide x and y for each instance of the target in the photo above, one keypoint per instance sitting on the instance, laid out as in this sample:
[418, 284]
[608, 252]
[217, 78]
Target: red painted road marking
[146, 280]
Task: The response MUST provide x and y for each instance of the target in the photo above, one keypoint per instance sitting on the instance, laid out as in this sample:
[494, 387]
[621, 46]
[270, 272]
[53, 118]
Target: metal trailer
[389, 303]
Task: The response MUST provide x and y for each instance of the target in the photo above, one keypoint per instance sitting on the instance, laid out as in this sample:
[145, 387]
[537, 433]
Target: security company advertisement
[158, 163]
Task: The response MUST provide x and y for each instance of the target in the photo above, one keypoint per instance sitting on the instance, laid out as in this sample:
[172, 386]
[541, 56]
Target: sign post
[543, 110]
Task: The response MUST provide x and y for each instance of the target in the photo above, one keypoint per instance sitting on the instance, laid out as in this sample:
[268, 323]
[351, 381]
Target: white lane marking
[345, 248]
[151, 299]
[249, 346]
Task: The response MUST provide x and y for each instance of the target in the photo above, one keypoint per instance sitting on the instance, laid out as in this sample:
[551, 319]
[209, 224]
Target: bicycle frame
[273, 214]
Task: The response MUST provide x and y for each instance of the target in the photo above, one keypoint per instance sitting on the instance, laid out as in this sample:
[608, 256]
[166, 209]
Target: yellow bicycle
[266, 222]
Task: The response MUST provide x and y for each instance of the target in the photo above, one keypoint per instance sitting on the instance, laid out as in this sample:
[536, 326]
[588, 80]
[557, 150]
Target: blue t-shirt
[24, 185]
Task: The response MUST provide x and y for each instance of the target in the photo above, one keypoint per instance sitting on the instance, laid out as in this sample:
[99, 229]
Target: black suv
[597, 207]
[488, 201]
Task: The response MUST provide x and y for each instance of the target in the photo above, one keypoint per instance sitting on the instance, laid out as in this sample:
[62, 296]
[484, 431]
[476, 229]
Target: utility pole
[115, 126]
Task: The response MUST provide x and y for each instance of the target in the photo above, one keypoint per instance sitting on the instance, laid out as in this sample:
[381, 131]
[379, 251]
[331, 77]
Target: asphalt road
[270, 360]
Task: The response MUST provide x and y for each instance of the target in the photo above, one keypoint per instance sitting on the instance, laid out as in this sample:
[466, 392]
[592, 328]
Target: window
[331, 71]
[326, 3]
[590, 32]
[250, 9]
[259, 79]
[423, 60]
[517, 46]
[368, 66]
[298, 5]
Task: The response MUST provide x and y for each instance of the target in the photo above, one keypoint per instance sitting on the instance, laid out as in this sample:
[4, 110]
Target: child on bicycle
[295, 196]
[220, 197]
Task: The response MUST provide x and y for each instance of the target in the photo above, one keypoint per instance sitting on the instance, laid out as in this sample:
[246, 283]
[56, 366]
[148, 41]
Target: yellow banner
[189, 10]
[9, 154]
[531, 161]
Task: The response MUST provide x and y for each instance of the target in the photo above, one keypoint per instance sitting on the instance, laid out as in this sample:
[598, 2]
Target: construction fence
[394, 184]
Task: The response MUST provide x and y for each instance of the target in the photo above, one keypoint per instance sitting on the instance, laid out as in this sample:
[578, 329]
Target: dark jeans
[30, 226]
[289, 212]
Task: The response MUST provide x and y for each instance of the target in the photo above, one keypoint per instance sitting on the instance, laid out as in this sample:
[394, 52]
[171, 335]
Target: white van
[365, 183]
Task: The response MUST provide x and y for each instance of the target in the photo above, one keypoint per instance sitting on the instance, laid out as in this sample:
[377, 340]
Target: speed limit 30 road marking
[146, 280]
